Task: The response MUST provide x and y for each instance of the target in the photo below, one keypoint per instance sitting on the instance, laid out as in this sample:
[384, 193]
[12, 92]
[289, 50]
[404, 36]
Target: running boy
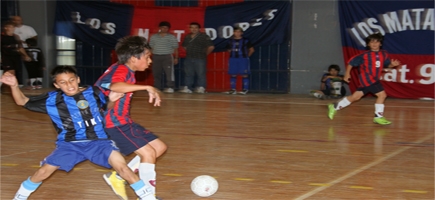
[134, 54]
[77, 116]
[370, 65]
[240, 50]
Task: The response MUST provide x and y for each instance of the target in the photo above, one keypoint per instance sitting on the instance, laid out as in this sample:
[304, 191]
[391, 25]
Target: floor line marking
[357, 171]
[415, 191]
[361, 187]
[17, 153]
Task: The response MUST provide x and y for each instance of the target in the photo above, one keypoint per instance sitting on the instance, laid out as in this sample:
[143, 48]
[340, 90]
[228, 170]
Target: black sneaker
[244, 92]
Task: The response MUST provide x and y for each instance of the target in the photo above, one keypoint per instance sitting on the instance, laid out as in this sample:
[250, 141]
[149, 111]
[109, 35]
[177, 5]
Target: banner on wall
[94, 22]
[263, 22]
[408, 29]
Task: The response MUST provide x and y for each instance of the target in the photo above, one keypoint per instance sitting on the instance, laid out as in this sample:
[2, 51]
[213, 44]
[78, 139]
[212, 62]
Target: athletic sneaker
[331, 111]
[232, 91]
[117, 185]
[381, 121]
[243, 92]
[168, 90]
[185, 89]
[200, 90]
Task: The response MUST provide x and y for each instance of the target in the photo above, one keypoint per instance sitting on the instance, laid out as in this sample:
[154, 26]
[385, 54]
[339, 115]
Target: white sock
[342, 104]
[26, 188]
[379, 110]
[317, 95]
[148, 174]
[143, 191]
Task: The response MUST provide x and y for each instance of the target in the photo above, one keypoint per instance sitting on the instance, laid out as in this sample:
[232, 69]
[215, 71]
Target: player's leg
[379, 109]
[142, 190]
[346, 101]
[168, 67]
[189, 75]
[244, 71]
[32, 183]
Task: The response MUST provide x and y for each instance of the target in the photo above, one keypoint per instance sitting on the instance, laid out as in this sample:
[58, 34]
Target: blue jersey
[77, 117]
[239, 48]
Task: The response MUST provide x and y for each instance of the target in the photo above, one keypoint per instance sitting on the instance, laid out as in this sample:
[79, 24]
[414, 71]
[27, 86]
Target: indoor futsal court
[257, 146]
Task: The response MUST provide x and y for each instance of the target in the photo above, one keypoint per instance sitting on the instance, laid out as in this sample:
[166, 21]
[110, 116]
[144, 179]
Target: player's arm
[122, 87]
[347, 73]
[394, 63]
[113, 97]
[251, 51]
[210, 49]
[19, 98]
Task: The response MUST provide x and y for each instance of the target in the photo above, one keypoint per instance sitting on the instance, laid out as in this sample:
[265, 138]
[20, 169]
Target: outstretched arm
[394, 63]
[11, 80]
[122, 87]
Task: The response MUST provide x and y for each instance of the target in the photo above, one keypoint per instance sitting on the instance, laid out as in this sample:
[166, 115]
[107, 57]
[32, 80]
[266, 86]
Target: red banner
[146, 21]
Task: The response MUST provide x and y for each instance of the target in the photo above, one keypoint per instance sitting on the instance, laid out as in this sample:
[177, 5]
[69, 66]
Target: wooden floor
[258, 146]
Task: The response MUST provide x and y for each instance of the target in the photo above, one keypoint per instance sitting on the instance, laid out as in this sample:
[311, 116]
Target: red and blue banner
[408, 29]
[94, 22]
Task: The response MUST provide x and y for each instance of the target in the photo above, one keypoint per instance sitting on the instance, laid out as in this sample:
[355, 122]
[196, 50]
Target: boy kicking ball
[371, 64]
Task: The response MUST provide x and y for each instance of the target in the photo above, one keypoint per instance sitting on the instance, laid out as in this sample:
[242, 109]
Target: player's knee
[146, 151]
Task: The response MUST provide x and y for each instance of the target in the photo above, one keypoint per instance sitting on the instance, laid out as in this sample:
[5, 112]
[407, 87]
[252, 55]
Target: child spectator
[332, 84]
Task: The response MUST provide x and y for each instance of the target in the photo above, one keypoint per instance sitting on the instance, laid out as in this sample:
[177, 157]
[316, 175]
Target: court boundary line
[361, 169]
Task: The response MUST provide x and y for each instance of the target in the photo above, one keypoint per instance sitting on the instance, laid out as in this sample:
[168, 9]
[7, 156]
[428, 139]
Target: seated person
[332, 84]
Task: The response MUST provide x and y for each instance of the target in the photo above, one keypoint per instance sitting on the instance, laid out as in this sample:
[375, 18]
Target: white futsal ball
[204, 185]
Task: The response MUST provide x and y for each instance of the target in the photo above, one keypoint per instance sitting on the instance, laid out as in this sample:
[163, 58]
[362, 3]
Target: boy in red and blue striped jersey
[134, 54]
[371, 64]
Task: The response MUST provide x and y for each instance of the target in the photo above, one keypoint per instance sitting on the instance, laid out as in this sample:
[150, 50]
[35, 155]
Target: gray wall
[315, 43]
[40, 15]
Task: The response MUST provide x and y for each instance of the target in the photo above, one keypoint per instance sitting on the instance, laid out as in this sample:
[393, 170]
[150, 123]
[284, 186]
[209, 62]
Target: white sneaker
[168, 90]
[200, 90]
[185, 90]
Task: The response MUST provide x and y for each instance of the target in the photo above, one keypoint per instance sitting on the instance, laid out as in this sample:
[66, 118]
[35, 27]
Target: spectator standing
[164, 45]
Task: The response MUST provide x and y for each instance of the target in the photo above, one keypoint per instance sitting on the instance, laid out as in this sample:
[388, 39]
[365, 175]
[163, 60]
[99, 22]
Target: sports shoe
[185, 90]
[331, 111]
[381, 121]
[243, 92]
[200, 90]
[232, 91]
[117, 185]
[168, 90]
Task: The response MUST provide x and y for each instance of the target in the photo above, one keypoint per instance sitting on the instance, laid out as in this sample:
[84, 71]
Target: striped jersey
[163, 45]
[120, 113]
[371, 64]
[239, 48]
[77, 117]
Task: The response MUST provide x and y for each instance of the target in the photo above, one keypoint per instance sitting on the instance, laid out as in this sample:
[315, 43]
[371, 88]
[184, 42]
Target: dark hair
[196, 24]
[62, 69]
[238, 28]
[8, 23]
[165, 23]
[32, 42]
[131, 46]
[336, 67]
[377, 36]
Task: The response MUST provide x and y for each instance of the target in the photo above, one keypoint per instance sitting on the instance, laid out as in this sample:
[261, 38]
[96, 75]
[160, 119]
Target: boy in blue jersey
[77, 114]
[240, 50]
[370, 65]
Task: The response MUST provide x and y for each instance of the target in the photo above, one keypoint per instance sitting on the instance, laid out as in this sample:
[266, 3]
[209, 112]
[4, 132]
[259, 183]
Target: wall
[315, 43]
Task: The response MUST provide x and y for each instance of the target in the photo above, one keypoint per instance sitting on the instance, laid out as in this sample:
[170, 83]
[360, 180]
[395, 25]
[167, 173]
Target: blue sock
[245, 83]
[233, 82]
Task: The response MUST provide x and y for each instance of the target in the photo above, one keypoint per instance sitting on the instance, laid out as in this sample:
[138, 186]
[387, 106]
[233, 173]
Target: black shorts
[130, 137]
[373, 88]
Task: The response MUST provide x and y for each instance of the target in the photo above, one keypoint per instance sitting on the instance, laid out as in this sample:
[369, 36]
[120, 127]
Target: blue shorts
[373, 88]
[239, 66]
[130, 137]
[68, 154]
